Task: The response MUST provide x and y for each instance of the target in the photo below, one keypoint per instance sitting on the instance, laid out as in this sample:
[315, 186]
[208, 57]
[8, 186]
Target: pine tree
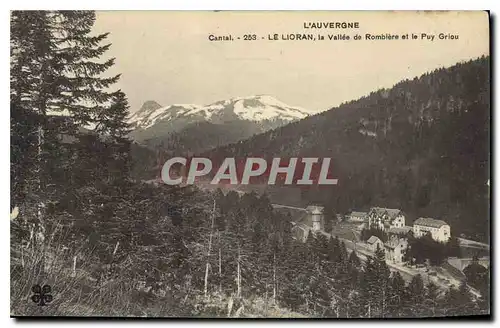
[466, 305]
[310, 247]
[353, 268]
[476, 275]
[343, 253]
[382, 274]
[368, 289]
[29, 41]
[55, 66]
[333, 251]
[32, 88]
[416, 296]
[330, 217]
[106, 155]
[321, 250]
[459, 301]
[485, 290]
[431, 301]
[396, 295]
[84, 90]
[354, 260]
[374, 285]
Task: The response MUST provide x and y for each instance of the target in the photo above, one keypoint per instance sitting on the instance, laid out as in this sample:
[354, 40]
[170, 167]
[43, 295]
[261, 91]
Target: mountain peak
[150, 105]
[257, 108]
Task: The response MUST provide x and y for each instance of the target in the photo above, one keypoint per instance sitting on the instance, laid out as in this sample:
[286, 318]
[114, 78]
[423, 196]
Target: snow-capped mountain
[194, 128]
[253, 108]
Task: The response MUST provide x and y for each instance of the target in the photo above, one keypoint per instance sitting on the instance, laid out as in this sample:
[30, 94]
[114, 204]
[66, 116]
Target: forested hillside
[422, 146]
[202, 136]
[109, 245]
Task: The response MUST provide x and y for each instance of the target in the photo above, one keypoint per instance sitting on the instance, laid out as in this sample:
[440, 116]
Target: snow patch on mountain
[266, 108]
[252, 108]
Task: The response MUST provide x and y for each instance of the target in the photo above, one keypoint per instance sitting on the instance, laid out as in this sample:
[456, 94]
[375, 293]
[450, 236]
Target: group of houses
[391, 221]
[395, 247]
[312, 220]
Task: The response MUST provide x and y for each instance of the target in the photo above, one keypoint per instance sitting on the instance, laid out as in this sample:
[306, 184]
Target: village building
[355, 216]
[399, 231]
[374, 242]
[439, 230]
[300, 231]
[359, 220]
[316, 217]
[395, 249]
[385, 218]
[359, 226]
[312, 220]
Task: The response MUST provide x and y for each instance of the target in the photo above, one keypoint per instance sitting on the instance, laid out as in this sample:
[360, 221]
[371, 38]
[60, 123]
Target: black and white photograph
[250, 164]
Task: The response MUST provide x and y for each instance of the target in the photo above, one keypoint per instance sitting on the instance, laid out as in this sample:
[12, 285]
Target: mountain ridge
[252, 108]
[212, 125]
[422, 145]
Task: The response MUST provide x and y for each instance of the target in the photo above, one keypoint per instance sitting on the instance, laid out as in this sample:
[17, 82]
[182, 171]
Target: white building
[357, 217]
[400, 231]
[316, 217]
[359, 220]
[439, 230]
[385, 218]
[374, 242]
[395, 249]
[311, 220]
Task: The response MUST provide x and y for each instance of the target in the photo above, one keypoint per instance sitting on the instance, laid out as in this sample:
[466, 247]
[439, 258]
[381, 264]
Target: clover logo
[41, 295]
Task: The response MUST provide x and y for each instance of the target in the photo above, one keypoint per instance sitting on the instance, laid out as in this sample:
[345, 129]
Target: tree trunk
[74, 266]
[266, 300]
[116, 248]
[383, 303]
[238, 277]
[220, 267]
[274, 277]
[208, 252]
[39, 234]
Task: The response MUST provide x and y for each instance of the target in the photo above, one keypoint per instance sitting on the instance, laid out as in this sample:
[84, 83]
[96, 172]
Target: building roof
[391, 212]
[326, 234]
[305, 219]
[401, 230]
[373, 240]
[296, 214]
[358, 217]
[301, 231]
[313, 209]
[429, 222]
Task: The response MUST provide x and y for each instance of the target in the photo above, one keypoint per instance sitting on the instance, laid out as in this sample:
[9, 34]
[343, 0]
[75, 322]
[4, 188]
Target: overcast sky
[167, 57]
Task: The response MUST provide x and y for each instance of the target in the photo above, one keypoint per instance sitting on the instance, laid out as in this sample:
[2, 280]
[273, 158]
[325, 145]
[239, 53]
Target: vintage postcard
[260, 164]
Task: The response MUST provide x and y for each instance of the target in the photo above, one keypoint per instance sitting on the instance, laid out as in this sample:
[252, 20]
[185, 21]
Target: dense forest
[422, 146]
[110, 245]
